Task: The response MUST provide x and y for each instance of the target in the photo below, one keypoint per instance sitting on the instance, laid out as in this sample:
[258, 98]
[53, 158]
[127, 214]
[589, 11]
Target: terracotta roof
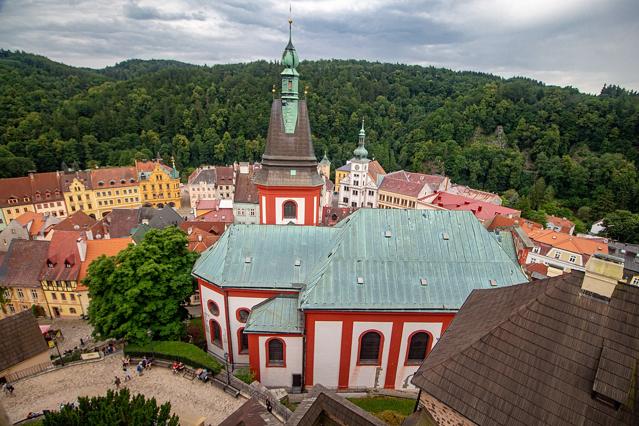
[200, 240]
[63, 258]
[34, 188]
[560, 222]
[245, 189]
[214, 228]
[36, 220]
[18, 188]
[82, 176]
[375, 169]
[332, 215]
[286, 152]
[567, 242]
[251, 413]
[538, 268]
[207, 204]
[475, 194]
[219, 216]
[409, 183]
[537, 353]
[78, 221]
[97, 248]
[481, 209]
[225, 175]
[43, 183]
[112, 177]
[22, 262]
[20, 339]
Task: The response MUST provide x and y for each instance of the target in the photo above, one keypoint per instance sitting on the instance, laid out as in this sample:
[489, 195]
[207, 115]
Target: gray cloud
[582, 43]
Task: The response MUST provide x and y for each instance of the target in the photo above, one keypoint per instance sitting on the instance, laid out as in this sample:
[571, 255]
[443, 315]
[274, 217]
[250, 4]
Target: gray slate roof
[278, 314]
[450, 249]
[20, 339]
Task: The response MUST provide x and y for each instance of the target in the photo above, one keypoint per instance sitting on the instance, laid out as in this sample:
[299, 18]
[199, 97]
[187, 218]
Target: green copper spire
[290, 83]
[360, 152]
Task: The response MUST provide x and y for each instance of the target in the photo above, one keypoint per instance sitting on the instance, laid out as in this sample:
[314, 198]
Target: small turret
[360, 152]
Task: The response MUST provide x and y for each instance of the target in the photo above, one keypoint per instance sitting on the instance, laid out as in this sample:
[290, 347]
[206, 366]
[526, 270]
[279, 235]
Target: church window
[275, 353]
[417, 347]
[242, 315]
[290, 210]
[243, 344]
[213, 308]
[370, 348]
[216, 333]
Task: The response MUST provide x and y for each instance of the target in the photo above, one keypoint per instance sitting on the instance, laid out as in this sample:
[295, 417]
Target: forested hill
[545, 147]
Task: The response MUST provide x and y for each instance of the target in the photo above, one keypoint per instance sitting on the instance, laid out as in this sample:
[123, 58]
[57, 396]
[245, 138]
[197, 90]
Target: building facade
[350, 307]
[401, 190]
[288, 183]
[245, 200]
[159, 184]
[211, 183]
[358, 189]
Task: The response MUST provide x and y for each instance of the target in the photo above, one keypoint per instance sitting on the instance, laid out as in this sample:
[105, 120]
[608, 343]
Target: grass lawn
[389, 409]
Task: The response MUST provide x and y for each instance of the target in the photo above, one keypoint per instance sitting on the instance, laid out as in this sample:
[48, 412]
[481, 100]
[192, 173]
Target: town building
[159, 184]
[288, 184]
[245, 200]
[352, 306]
[630, 255]
[560, 224]
[114, 187]
[324, 167]
[211, 183]
[38, 225]
[331, 216]
[19, 277]
[401, 190]
[205, 206]
[358, 189]
[78, 193]
[562, 252]
[22, 346]
[375, 170]
[14, 231]
[475, 194]
[483, 210]
[559, 351]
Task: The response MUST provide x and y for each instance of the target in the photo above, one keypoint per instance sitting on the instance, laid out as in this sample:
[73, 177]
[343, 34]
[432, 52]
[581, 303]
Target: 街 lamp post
[226, 366]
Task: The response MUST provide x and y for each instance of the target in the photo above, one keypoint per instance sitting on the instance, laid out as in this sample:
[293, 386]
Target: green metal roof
[406, 260]
[278, 314]
[505, 239]
[264, 256]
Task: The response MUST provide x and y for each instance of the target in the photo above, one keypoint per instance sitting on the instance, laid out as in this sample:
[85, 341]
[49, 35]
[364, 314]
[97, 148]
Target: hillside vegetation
[547, 149]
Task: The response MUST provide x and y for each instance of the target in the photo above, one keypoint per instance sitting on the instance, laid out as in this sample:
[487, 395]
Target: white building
[211, 183]
[245, 201]
[358, 189]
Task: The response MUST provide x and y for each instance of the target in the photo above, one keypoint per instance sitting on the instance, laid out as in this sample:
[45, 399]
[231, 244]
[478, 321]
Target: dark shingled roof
[536, 353]
[323, 406]
[251, 413]
[20, 339]
[285, 152]
[245, 189]
[22, 263]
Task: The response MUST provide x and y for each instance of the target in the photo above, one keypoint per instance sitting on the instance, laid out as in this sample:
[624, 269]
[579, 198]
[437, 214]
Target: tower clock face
[356, 167]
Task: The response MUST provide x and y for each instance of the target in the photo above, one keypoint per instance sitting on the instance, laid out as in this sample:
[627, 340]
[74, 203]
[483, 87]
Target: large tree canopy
[142, 288]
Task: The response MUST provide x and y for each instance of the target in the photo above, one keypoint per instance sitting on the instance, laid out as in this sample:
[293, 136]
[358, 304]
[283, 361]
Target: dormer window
[37, 195]
[67, 264]
[101, 183]
[50, 264]
[111, 182]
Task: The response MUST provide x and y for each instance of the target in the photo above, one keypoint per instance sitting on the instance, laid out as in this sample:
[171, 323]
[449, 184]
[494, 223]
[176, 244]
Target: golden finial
[305, 90]
[273, 91]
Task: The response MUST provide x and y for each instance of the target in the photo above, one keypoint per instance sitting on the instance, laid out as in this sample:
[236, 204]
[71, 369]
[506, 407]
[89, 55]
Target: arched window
[370, 348]
[290, 210]
[213, 308]
[275, 353]
[243, 344]
[216, 333]
[417, 347]
[242, 315]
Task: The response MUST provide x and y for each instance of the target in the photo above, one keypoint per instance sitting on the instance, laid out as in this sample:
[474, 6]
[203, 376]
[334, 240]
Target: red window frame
[284, 209]
[240, 347]
[217, 307]
[429, 346]
[212, 324]
[268, 357]
[237, 314]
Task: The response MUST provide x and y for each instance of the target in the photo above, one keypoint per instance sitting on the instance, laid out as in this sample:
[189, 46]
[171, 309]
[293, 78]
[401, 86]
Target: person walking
[139, 368]
[127, 375]
[117, 382]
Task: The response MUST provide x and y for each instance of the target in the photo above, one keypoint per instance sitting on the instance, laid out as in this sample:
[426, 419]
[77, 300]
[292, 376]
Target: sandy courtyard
[189, 399]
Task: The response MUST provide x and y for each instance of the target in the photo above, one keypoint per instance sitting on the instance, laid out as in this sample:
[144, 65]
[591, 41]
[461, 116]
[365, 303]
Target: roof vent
[298, 262]
[445, 236]
[293, 172]
[388, 233]
[423, 281]
[493, 283]
[360, 280]
[248, 259]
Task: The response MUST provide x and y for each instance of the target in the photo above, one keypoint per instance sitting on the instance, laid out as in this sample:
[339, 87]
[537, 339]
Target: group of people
[177, 367]
[144, 364]
[8, 388]
[202, 374]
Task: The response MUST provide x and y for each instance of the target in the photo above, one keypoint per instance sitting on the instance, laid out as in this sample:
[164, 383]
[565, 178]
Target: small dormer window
[111, 182]
[67, 265]
[101, 183]
[49, 264]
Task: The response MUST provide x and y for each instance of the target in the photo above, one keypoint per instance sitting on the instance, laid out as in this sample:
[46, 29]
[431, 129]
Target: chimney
[603, 272]
[82, 248]
[478, 208]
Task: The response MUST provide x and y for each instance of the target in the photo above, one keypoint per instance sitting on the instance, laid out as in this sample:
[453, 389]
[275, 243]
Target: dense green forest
[546, 149]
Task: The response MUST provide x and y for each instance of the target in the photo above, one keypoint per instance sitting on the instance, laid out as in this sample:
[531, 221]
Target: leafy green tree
[138, 293]
[622, 225]
[116, 408]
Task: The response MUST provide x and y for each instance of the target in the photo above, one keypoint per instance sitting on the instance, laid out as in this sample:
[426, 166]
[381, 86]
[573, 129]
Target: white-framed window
[572, 258]
[557, 255]
[635, 280]
[34, 294]
[20, 293]
[12, 309]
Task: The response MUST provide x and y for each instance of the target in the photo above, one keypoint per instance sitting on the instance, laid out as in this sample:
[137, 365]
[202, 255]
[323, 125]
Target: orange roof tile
[568, 242]
[97, 248]
[200, 240]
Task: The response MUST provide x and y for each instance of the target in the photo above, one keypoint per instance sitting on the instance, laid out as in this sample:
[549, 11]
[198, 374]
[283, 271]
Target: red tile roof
[481, 209]
[561, 222]
[82, 176]
[78, 221]
[224, 175]
[332, 215]
[475, 194]
[207, 204]
[63, 258]
[36, 220]
[200, 240]
[219, 216]
[22, 262]
[31, 189]
[245, 189]
[409, 183]
[112, 177]
[567, 242]
[214, 228]
[97, 248]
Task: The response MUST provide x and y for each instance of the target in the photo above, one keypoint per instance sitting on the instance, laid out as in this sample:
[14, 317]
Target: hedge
[175, 351]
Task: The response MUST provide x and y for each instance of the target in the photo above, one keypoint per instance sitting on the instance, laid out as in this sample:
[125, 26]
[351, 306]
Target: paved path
[189, 399]
[72, 330]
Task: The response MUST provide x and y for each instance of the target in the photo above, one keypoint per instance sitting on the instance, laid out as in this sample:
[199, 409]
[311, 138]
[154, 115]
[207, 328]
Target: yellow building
[78, 193]
[115, 187]
[159, 184]
[38, 192]
[20, 277]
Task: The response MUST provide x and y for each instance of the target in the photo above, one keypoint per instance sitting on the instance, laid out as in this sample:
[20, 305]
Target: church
[354, 306]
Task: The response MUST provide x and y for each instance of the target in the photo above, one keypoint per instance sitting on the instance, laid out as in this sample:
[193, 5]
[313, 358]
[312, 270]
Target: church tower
[288, 184]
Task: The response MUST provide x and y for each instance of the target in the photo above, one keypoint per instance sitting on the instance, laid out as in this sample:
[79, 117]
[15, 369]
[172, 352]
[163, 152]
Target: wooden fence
[36, 369]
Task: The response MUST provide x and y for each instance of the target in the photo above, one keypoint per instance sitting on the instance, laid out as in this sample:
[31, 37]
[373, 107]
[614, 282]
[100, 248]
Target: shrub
[245, 375]
[175, 351]
[74, 356]
[114, 408]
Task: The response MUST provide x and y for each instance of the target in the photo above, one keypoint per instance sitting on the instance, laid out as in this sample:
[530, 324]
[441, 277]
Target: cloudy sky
[582, 43]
